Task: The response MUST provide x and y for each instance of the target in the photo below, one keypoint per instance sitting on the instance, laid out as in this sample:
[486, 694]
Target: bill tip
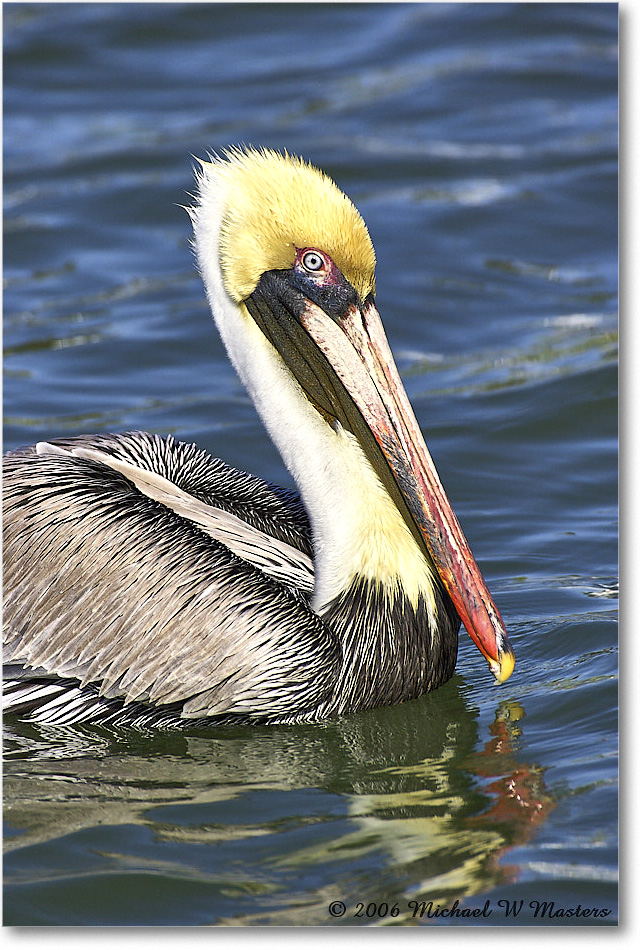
[503, 666]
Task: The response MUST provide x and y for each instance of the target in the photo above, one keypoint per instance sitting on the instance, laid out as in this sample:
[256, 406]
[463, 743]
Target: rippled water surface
[479, 142]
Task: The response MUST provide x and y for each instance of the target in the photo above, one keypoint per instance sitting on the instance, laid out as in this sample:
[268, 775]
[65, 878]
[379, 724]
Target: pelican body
[146, 582]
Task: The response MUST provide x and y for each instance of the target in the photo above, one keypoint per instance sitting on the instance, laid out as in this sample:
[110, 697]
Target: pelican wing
[274, 557]
[118, 577]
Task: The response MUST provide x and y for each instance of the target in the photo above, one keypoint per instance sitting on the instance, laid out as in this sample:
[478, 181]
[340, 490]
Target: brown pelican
[147, 582]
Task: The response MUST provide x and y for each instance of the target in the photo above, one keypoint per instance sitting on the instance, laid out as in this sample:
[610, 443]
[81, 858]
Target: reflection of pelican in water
[145, 581]
[403, 790]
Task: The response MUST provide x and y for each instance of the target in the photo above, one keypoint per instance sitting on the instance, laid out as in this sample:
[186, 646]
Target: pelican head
[288, 266]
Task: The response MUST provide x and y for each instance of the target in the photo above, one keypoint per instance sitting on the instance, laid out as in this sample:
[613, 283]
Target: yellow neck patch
[275, 203]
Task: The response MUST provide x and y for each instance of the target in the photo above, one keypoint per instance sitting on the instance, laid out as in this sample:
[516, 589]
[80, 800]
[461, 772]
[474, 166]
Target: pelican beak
[367, 370]
[336, 347]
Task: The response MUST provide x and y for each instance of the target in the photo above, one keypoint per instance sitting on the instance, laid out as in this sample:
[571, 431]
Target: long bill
[368, 372]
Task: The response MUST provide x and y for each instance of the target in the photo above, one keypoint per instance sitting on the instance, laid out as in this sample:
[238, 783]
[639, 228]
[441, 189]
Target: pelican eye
[313, 261]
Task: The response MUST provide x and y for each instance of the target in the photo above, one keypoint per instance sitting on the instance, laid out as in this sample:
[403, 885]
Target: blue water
[480, 144]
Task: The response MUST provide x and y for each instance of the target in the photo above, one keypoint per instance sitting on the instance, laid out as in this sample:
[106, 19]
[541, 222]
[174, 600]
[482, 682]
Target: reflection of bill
[519, 801]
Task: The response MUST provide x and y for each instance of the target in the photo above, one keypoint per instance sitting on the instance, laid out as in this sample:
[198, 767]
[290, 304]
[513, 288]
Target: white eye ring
[312, 261]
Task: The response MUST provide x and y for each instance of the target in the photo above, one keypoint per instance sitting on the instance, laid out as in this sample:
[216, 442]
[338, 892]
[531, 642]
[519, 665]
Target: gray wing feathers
[277, 511]
[108, 585]
[274, 557]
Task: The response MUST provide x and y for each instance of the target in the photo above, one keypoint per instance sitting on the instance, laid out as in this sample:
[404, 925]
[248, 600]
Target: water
[479, 142]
